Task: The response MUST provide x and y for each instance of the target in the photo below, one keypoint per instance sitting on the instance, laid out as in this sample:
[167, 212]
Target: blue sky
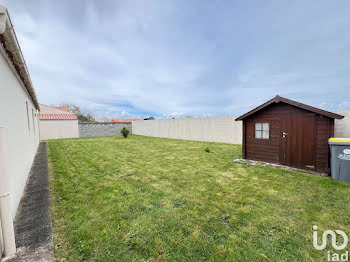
[178, 58]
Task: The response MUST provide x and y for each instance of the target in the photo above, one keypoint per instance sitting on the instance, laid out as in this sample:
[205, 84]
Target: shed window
[262, 130]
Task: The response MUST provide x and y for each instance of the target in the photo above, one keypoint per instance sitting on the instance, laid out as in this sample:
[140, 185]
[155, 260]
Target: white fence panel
[212, 129]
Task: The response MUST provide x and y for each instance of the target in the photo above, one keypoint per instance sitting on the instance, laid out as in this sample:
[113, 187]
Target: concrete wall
[22, 132]
[213, 129]
[342, 127]
[57, 129]
[102, 129]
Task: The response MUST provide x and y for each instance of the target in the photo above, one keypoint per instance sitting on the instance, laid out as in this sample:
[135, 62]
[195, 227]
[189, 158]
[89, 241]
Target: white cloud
[141, 58]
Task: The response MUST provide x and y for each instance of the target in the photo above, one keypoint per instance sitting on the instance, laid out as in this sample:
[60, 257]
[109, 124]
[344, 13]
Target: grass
[153, 199]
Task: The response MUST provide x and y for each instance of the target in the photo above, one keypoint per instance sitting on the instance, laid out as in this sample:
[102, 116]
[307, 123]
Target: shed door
[298, 140]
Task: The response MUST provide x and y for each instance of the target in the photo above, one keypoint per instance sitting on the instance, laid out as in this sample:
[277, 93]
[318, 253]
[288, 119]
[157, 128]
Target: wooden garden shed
[286, 132]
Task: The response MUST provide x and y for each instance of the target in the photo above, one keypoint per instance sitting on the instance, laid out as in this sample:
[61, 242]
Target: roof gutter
[10, 44]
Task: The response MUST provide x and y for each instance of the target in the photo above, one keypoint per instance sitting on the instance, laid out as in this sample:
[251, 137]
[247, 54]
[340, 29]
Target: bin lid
[339, 141]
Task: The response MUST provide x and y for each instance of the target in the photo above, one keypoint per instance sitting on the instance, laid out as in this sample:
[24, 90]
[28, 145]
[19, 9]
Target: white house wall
[22, 136]
[57, 129]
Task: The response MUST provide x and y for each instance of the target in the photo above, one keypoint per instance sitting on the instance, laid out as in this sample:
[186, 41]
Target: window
[33, 120]
[28, 116]
[262, 130]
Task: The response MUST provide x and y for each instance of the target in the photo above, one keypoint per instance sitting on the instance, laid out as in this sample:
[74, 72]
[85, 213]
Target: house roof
[11, 49]
[58, 117]
[123, 120]
[279, 99]
[55, 113]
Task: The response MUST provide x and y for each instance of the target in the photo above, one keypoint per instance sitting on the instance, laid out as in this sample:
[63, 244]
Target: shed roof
[278, 99]
[55, 113]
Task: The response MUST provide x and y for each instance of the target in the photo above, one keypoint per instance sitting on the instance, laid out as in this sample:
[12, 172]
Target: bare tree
[82, 116]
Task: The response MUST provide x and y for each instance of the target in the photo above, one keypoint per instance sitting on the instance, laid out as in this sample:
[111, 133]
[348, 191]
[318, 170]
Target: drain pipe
[8, 232]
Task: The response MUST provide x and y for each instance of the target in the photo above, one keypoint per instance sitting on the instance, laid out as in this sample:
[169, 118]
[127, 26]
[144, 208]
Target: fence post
[6, 220]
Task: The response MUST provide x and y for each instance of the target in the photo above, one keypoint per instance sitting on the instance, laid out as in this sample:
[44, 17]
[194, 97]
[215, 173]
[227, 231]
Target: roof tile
[124, 120]
[58, 117]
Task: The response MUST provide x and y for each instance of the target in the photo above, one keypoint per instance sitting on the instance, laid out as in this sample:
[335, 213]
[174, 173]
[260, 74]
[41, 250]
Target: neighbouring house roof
[124, 120]
[278, 99]
[12, 50]
[55, 113]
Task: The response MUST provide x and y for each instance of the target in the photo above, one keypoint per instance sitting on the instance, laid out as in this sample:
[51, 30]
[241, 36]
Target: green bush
[207, 150]
[124, 132]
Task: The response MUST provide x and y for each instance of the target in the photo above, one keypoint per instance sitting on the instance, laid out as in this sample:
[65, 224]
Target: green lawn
[153, 199]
